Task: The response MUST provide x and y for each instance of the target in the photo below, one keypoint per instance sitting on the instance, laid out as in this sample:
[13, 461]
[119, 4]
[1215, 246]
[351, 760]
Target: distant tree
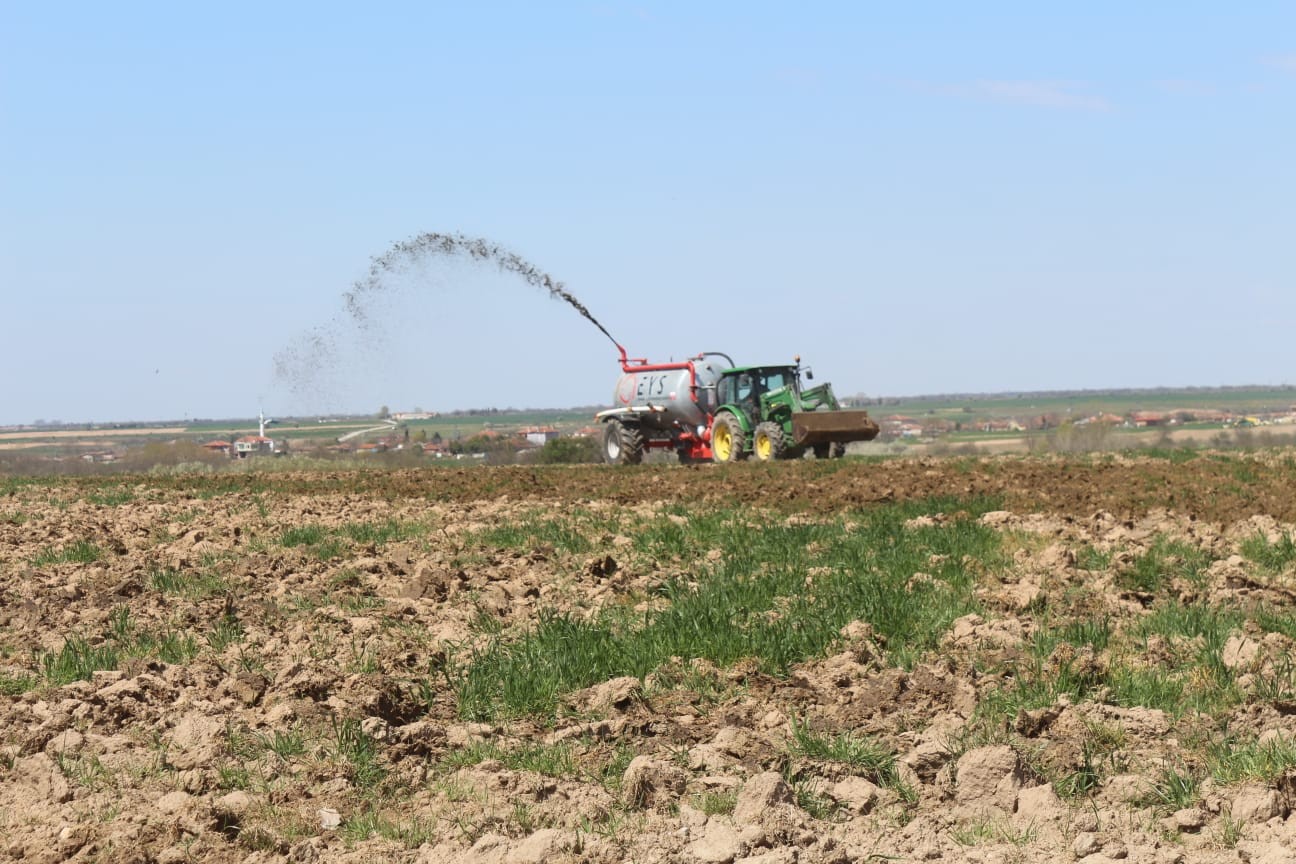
[383, 413]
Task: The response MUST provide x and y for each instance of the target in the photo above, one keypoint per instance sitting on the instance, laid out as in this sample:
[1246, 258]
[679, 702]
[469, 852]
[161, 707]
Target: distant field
[90, 433]
[1082, 405]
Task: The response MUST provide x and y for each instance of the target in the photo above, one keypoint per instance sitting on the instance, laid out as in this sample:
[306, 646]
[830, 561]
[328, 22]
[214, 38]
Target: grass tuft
[863, 755]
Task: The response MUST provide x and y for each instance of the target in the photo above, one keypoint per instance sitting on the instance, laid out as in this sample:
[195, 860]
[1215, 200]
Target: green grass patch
[225, 632]
[77, 552]
[778, 594]
[80, 658]
[303, 535]
[287, 744]
[810, 797]
[1276, 556]
[379, 533]
[1230, 761]
[114, 497]
[371, 823]
[1086, 658]
[1101, 756]
[994, 830]
[16, 685]
[1089, 558]
[1174, 455]
[330, 544]
[551, 760]
[535, 532]
[83, 770]
[77, 660]
[1176, 788]
[359, 751]
[611, 773]
[198, 585]
[716, 803]
[1166, 559]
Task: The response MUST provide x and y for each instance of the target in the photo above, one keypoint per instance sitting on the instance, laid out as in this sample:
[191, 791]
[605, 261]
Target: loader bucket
[829, 427]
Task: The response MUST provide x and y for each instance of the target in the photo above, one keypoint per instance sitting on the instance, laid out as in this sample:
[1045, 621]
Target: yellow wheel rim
[763, 447]
[721, 442]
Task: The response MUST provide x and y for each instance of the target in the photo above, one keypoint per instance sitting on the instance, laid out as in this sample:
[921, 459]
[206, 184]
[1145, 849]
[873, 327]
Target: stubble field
[1000, 659]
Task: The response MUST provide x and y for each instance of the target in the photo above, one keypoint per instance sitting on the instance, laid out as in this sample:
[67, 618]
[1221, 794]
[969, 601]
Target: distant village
[435, 445]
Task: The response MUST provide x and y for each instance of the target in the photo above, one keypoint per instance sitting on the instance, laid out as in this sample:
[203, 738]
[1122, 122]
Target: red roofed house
[538, 434]
[1149, 418]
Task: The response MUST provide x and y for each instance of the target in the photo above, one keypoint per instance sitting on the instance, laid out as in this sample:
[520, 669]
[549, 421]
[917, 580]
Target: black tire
[728, 440]
[768, 442]
[622, 443]
[822, 451]
[838, 450]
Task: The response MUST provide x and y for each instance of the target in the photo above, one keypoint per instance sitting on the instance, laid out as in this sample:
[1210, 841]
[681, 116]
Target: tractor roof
[738, 369]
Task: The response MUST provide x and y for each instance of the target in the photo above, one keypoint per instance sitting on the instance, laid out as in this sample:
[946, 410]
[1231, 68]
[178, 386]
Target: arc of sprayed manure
[476, 248]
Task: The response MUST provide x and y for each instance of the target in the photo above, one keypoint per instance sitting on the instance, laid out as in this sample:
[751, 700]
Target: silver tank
[670, 390]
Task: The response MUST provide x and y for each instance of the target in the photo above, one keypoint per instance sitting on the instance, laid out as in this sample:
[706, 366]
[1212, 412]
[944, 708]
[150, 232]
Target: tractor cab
[751, 389]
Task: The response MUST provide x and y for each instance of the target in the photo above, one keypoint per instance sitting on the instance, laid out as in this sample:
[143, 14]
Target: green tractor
[762, 411]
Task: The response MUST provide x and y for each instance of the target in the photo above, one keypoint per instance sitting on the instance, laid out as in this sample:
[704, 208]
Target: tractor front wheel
[622, 443]
[728, 441]
[768, 442]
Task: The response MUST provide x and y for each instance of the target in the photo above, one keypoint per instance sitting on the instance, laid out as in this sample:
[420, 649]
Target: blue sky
[916, 198]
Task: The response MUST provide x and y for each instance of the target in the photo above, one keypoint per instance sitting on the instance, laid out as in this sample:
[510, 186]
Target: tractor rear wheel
[622, 443]
[728, 441]
[768, 442]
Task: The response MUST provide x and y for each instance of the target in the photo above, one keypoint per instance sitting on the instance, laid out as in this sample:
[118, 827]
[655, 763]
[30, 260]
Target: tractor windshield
[774, 379]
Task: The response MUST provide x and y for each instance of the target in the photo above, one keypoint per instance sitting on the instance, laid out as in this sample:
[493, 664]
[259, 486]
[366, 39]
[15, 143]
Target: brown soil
[239, 752]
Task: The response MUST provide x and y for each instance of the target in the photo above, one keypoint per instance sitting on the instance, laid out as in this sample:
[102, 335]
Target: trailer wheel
[728, 441]
[768, 442]
[622, 444]
[822, 451]
[838, 450]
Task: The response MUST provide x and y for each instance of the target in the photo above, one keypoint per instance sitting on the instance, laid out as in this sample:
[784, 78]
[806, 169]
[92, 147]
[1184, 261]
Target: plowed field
[1003, 659]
